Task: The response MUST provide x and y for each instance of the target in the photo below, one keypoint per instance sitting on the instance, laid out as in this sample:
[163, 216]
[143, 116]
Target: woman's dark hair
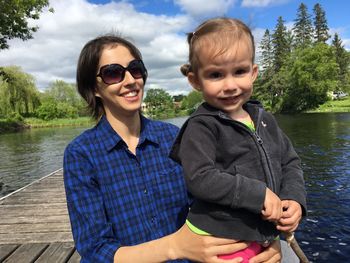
[88, 66]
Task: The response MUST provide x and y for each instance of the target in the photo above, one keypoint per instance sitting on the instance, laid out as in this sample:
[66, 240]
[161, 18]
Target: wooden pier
[34, 224]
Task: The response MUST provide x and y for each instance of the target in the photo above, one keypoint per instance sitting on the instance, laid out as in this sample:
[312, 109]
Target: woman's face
[123, 98]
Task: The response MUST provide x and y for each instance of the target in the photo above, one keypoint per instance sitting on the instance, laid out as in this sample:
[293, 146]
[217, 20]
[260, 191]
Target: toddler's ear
[255, 72]
[193, 80]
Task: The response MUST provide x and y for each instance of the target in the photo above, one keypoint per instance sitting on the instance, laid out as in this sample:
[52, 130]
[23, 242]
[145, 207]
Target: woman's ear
[193, 80]
[97, 93]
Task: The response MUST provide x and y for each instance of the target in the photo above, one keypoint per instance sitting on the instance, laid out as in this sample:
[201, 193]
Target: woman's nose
[128, 78]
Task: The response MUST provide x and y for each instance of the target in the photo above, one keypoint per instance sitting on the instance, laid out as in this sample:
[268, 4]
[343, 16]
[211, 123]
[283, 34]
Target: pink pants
[247, 253]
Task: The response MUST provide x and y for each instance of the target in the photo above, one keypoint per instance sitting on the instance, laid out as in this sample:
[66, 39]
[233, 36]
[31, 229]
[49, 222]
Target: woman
[127, 200]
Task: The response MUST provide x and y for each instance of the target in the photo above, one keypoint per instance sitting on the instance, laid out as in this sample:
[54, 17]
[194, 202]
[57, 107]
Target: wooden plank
[29, 211]
[6, 251]
[35, 228]
[36, 213]
[75, 258]
[35, 219]
[49, 237]
[34, 200]
[26, 253]
[34, 224]
[57, 252]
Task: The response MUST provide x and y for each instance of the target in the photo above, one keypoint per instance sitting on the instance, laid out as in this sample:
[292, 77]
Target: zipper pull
[260, 141]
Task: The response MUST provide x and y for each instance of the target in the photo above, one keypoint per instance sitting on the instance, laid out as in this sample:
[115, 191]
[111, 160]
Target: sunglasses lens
[112, 74]
[115, 73]
[136, 69]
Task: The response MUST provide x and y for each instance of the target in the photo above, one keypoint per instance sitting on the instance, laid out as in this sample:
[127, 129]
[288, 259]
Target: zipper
[256, 138]
[270, 178]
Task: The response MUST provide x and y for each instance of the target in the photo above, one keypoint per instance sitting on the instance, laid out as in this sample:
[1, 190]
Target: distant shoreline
[334, 106]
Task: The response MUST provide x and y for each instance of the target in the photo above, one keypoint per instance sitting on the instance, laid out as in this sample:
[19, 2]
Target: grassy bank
[7, 126]
[342, 105]
[11, 126]
[38, 123]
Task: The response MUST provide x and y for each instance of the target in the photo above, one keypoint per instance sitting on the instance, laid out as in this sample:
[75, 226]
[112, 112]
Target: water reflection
[323, 143]
[32, 154]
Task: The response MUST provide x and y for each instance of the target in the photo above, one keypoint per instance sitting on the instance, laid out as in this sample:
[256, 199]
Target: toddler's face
[226, 80]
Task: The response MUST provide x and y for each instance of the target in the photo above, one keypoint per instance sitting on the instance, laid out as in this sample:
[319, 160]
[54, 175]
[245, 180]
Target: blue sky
[157, 27]
[262, 13]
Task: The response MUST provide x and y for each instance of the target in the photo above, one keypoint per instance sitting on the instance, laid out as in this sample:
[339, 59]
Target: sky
[158, 28]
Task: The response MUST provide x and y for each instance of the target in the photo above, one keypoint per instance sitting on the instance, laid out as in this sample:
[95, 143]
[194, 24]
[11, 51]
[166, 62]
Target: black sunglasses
[115, 73]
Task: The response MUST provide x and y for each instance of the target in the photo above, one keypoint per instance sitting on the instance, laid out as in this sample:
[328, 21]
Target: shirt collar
[148, 131]
[110, 138]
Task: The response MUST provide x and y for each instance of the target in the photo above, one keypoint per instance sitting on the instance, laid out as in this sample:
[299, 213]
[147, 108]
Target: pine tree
[303, 31]
[280, 45]
[266, 51]
[342, 58]
[320, 24]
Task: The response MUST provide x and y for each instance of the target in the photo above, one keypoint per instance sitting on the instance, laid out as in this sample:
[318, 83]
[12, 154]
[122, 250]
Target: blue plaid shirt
[118, 199]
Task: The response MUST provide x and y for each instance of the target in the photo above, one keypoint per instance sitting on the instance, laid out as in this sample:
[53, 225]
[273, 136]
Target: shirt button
[145, 191]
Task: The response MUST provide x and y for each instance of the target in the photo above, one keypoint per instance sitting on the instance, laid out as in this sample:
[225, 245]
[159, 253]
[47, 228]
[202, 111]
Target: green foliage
[67, 94]
[266, 59]
[334, 106]
[191, 101]
[18, 92]
[320, 23]
[14, 16]
[159, 103]
[280, 44]
[51, 109]
[178, 98]
[313, 72]
[342, 58]
[303, 31]
[300, 77]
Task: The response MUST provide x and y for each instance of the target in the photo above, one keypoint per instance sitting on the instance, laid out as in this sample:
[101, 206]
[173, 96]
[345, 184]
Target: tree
[266, 59]
[191, 101]
[19, 94]
[280, 45]
[312, 73]
[159, 103]
[303, 31]
[61, 100]
[65, 92]
[13, 19]
[343, 60]
[320, 24]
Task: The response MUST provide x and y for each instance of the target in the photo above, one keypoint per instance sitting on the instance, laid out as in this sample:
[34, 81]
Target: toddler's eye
[241, 71]
[215, 75]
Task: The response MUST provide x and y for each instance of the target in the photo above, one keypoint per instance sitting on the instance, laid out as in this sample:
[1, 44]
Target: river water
[322, 141]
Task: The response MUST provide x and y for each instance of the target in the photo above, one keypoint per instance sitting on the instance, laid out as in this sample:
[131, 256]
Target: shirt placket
[147, 198]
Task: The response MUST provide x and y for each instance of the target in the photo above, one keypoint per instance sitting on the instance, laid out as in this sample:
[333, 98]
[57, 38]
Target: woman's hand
[272, 254]
[186, 244]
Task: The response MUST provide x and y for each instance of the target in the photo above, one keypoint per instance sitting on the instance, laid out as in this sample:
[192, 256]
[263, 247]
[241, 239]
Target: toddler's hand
[291, 216]
[272, 206]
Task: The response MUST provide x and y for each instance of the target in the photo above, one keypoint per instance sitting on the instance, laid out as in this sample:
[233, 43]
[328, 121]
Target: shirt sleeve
[292, 183]
[197, 152]
[92, 233]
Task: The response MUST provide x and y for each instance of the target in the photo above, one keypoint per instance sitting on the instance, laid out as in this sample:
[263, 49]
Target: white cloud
[53, 53]
[262, 3]
[200, 8]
